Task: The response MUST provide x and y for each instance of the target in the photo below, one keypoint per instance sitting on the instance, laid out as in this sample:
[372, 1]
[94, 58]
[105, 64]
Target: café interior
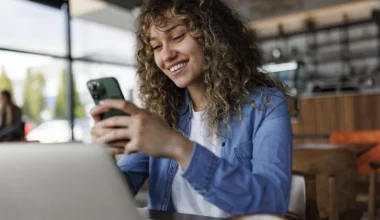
[326, 51]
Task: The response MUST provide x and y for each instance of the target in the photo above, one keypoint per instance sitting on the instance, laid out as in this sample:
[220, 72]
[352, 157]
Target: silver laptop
[61, 182]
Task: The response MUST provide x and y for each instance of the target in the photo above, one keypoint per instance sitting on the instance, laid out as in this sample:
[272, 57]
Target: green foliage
[33, 94]
[26, 94]
[61, 106]
[5, 82]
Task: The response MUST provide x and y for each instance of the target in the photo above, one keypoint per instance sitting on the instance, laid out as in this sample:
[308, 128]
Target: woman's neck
[196, 94]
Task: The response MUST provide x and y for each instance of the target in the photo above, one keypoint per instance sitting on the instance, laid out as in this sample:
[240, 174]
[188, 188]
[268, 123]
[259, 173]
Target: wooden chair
[368, 163]
[372, 190]
[297, 203]
[328, 183]
[360, 137]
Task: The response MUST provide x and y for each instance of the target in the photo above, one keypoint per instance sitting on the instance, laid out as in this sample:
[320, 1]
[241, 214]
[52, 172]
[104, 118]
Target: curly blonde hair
[232, 60]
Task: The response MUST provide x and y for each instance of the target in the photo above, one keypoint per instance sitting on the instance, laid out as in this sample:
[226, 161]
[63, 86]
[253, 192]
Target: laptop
[61, 182]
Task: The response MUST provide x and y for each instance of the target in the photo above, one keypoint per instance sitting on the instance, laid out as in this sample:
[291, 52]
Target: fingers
[125, 106]
[121, 147]
[97, 132]
[97, 111]
[130, 148]
[114, 135]
[118, 144]
[115, 151]
[116, 121]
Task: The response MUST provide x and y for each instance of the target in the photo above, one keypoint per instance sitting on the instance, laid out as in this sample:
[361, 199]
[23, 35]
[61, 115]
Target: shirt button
[223, 144]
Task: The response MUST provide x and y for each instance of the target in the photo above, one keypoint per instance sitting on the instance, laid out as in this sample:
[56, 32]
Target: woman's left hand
[148, 133]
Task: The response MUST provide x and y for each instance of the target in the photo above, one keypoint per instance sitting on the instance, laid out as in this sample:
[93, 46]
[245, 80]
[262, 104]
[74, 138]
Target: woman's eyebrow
[173, 27]
[167, 30]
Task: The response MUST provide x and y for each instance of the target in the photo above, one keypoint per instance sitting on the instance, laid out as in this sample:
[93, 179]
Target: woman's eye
[156, 47]
[179, 37]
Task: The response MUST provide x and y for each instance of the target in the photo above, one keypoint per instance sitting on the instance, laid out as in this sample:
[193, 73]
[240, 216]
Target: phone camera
[96, 90]
[94, 86]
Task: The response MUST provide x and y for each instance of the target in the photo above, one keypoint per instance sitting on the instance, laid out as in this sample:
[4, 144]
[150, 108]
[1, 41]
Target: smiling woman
[215, 136]
[177, 53]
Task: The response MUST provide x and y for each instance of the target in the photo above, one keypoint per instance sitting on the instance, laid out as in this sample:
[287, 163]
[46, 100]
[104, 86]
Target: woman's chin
[180, 84]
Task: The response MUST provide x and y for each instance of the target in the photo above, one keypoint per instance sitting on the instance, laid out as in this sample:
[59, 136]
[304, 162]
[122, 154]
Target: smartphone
[106, 88]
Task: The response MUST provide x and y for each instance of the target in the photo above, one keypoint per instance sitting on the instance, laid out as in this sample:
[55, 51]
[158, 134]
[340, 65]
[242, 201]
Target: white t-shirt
[185, 198]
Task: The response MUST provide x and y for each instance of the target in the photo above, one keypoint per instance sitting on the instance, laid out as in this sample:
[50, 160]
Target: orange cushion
[355, 137]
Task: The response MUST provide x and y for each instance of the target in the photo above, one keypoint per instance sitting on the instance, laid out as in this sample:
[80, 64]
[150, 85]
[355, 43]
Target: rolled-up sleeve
[265, 188]
[136, 170]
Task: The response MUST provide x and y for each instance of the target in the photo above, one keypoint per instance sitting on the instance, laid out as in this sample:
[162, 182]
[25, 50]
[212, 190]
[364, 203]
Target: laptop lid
[62, 181]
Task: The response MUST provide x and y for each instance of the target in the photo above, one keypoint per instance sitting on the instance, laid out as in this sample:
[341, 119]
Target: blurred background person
[11, 125]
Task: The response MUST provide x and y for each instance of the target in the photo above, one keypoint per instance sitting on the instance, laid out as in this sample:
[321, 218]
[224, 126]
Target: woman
[215, 135]
[11, 128]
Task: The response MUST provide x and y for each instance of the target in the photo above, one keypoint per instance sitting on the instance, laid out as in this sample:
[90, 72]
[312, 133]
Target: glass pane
[95, 41]
[35, 82]
[83, 72]
[32, 27]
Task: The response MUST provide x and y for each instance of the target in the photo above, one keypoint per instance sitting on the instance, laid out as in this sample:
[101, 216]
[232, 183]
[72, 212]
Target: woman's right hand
[114, 147]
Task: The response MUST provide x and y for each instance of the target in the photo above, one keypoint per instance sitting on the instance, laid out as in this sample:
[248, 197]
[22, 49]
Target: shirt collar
[187, 104]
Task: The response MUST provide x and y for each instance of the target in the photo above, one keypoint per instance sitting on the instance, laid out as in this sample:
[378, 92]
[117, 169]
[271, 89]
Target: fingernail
[99, 124]
[99, 140]
[101, 102]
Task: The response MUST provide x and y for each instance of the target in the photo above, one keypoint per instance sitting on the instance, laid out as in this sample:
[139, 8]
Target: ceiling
[265, 15]
[126, 4]
[52, 3]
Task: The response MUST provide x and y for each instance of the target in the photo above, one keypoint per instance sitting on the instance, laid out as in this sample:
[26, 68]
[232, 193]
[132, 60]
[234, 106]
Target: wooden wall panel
[323, 115]
[363, 117]
[326, 115]
[345, 113]
[307, 116]
[376, 111]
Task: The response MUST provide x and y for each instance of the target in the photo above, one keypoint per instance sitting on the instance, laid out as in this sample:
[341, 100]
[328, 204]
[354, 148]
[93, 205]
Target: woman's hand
[147, 132]
[97, 132]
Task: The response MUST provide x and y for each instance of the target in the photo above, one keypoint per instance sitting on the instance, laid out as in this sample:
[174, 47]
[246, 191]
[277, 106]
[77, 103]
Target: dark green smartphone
[106, 88]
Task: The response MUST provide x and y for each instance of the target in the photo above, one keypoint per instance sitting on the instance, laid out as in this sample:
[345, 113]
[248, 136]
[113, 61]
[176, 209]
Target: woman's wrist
[181, 150]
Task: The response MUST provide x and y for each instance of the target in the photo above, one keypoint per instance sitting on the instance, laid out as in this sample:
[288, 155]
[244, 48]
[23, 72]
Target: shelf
[303, 32]
[352, 41]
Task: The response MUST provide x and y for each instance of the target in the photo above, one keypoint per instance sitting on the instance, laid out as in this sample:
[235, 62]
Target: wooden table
[358, 149]
[334, 169]
[161, 215]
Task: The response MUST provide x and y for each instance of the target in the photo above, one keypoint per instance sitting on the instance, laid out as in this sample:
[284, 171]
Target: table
[162, 215]
[358, 149]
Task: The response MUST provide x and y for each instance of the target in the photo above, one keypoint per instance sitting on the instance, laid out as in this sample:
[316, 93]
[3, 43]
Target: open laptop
[61, 182]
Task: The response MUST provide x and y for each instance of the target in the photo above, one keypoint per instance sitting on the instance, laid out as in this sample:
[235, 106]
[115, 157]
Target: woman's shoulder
[266, 97]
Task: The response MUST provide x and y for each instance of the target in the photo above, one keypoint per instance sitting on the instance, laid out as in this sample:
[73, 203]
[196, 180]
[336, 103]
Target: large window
[93, 41]
[33, 27]
[33, 81]
[34, 66]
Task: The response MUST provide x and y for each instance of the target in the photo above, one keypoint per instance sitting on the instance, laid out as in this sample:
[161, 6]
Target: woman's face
[177, 53]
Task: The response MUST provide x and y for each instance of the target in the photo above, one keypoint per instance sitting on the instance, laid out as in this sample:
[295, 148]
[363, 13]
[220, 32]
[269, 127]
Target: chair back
[297, 202]
[360, 137]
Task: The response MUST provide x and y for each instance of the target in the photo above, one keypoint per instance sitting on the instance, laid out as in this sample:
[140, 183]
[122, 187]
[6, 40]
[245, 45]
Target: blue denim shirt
[253, 173]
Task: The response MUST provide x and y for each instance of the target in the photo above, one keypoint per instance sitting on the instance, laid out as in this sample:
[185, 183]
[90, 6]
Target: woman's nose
[168, 53]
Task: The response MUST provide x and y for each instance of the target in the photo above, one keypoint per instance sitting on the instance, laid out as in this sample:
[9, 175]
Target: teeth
[176, 67]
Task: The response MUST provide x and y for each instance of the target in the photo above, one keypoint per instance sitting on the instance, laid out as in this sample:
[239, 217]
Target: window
[32, 27]
[34, 61]
[94, 41]
[33, 81]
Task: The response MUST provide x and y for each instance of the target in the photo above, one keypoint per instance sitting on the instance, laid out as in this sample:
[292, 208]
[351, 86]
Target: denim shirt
[252, 174]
